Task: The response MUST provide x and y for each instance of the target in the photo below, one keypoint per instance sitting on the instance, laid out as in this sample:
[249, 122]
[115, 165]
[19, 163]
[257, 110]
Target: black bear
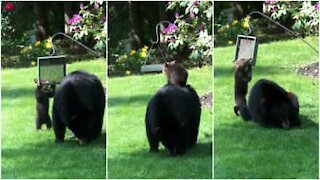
[42, 95]
[172, 118]
[176, 73]
[272, 106]
[242, 77]
[78, 104]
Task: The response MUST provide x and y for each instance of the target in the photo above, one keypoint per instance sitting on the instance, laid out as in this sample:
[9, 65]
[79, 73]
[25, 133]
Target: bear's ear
[166, 64]
[293, 99]
[290, 95]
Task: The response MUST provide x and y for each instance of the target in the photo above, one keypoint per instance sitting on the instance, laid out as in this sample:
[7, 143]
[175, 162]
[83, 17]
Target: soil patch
[311, 70]
[206, 100]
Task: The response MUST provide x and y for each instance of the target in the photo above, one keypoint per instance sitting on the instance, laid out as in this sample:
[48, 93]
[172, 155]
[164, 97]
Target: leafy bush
[129, 63]
[29, 53]
[17, 48]
[305, 15]
[90, 22]
[191, 28]
[227, 32]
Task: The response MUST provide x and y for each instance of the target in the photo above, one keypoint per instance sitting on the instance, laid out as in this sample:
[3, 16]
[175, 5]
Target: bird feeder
[51, 70]
[246, 47]
[147, 67]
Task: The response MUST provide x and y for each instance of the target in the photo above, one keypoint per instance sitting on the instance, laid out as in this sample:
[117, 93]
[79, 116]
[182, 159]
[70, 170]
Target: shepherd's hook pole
[283, 27]
[97, 54]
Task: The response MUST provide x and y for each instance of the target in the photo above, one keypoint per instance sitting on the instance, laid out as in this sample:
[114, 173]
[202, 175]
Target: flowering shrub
[31, 52]
[229, 31]
[7, 29]
[192, 28]
[8, 6]
[305, 14]
[90, 22]
[130, 63]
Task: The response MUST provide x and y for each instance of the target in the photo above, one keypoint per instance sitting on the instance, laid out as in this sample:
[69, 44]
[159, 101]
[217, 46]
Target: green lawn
[27, 153]
[246, 150]
[128, 149]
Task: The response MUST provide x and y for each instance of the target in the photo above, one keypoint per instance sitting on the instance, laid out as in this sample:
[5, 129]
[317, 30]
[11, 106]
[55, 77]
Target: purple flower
[273, 8]
[200, 28]
[75, 19]
[75, 29]
[192, 14]
[317, 6]
[172, 28]
[195, 3]
[96, 5]
[170, 39]
[177, 16]
[81, 6]
[270, 2]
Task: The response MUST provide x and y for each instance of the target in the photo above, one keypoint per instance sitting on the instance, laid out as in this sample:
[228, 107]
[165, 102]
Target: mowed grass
[247, 150]
[27, 153]
[128, 149]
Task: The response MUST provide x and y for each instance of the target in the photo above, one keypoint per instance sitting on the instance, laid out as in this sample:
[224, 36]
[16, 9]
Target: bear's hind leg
[58, 126]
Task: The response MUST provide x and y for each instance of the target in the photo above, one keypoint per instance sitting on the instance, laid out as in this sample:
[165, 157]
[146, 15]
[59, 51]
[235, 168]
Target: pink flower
[172, 28]
[177, 15]
[317, 6]
[75, 29]
[75, 19]
[81, 6]
[96, 5]
[195, 3]
[274, 8]
[192, 15]
[9, 6]
[270, 1]
[200, 28]
[170, 39]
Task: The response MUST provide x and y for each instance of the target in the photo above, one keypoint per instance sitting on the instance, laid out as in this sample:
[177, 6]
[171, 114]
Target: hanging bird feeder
[148, 67]
[246, 47]
[52, 69]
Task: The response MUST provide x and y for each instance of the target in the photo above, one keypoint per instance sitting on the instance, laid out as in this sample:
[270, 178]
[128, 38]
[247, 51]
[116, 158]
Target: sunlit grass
[27, 153]
[246, 150]
[128, 149]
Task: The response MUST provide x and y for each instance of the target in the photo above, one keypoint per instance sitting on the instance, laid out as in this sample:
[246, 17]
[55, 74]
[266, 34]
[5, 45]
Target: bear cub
[176, 73]
[242, 77]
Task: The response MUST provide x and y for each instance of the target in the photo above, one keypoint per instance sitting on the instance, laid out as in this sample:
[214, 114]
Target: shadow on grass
[46, 159]
[307, 122]
[257, 70]
[8, 93]
[247, 150]
[200, 150]
[196, 163]
[127, 100]
[240, 123]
